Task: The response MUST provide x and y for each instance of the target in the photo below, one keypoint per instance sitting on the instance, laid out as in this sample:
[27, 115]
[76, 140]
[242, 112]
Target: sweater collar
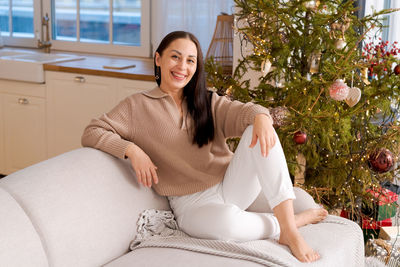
[155, 93]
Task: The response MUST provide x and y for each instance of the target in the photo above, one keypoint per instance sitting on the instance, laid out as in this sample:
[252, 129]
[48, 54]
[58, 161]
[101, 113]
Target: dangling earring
[157, 76]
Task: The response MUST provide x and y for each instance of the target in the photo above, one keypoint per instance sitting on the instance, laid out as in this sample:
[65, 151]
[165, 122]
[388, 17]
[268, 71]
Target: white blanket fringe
[156, 223]
[158, 228]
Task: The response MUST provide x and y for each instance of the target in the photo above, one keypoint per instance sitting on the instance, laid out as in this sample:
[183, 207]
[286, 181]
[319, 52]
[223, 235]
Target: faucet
[46, 44]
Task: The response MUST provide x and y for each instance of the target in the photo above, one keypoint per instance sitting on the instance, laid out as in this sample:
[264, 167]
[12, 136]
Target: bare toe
[300, 249]
[310, 216]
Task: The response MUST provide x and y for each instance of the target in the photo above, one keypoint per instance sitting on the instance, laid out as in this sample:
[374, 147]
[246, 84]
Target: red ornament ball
[300, 137]
[397, 70]
[339, 90]
[381, 160]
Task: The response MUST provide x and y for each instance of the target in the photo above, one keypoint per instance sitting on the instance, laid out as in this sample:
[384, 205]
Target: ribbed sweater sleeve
[111, 132]
[235, 116]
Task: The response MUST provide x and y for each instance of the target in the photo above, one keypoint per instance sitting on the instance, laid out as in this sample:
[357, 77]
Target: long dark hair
[198, 98]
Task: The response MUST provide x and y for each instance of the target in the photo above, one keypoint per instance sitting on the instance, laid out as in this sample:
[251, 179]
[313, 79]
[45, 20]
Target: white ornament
[340, 43]
[353, 97]
[311, 4]
[266, 67]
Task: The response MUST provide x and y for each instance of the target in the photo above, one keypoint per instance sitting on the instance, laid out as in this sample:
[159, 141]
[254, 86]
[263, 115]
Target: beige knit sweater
[151, 120]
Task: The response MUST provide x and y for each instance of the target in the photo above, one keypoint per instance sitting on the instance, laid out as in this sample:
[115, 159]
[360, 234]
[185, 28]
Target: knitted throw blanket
[157, 228]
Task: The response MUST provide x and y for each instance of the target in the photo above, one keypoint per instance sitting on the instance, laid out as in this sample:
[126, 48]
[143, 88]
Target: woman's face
[178, 64]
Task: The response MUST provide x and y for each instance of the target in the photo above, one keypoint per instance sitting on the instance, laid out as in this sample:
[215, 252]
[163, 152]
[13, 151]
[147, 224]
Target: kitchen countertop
[94, 65]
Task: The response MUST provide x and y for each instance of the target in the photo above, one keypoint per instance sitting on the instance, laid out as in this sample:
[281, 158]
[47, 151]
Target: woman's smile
[178, 76]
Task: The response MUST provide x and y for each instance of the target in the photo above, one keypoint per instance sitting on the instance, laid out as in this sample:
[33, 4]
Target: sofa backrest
[83, 204]
[20, 244]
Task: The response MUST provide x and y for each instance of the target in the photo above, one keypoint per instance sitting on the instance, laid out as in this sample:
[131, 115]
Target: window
[18, 21]
[116, 27]
[101, 26]
[95, 26]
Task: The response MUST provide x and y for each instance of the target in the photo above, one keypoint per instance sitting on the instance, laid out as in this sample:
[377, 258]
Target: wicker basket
[221, 47]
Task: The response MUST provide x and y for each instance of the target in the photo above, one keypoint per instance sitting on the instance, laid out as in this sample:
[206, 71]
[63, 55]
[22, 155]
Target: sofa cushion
[20, 244]
[155, 257]
[338, 240]
[84, 205]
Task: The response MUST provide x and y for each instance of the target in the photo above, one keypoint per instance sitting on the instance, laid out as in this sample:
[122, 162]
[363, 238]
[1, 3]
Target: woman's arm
[144, 168]
[113, 133]
[233, 117]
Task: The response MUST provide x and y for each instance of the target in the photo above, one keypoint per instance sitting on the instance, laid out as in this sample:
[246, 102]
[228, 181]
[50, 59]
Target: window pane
[94, 21]
[4, 27]
[126, 22]
[65, 20]
[22, 18]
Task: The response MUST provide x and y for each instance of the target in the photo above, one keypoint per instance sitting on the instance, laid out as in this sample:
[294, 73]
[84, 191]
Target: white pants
[220, 211]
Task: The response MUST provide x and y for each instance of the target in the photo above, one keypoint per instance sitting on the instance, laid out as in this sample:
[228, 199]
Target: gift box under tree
[371, 228]
[384, 204]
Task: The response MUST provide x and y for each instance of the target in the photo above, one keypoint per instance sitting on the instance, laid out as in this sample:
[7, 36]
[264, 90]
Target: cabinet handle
[79, 79]
[23, 101]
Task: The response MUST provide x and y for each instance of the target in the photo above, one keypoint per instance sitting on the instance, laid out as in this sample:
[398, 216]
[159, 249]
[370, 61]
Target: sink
[28, 66]
[7, 53]
[43, 58]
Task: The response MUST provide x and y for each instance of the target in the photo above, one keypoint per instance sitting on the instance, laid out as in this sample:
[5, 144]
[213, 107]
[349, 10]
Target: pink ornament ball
[339, 90]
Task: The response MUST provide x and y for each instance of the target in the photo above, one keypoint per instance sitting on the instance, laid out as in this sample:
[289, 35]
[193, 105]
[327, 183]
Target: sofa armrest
[84, 205]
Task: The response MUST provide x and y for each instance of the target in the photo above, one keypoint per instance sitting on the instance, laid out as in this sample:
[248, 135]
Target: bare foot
[310, 216]
[300, 249]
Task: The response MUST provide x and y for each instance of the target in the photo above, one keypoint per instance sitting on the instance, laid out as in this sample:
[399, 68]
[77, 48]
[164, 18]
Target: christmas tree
[336, 89]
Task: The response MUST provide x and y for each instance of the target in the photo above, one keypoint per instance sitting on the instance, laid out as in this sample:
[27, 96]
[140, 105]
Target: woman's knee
[212, 222]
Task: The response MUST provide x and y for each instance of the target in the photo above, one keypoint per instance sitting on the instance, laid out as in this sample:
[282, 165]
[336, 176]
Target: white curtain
[394, 30]
[196, 16]
[394, 18]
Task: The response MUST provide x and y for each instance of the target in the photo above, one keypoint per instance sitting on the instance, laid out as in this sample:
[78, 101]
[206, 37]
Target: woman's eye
[191, 61]
[174, 56]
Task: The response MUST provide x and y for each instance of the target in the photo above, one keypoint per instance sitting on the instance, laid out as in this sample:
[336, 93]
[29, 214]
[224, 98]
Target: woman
[174, 136]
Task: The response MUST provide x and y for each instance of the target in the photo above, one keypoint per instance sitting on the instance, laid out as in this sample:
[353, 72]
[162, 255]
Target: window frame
[24, 41]
[40, 9]
[110, 49]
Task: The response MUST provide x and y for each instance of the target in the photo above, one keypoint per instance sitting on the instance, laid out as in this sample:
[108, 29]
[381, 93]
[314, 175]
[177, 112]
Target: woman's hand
[264, 132]
[142, 164]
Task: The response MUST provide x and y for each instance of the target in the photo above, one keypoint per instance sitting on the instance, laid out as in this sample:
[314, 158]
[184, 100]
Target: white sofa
[80, 210]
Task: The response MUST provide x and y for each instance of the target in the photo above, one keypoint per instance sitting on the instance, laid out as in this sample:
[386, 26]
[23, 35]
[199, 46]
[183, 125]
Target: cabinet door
[24, 131]
[129, 87]
[73, 100]
[2, 153]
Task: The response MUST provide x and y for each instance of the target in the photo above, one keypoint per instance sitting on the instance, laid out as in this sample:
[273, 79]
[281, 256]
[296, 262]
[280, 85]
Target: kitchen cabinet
[74, 99]
[39, 121]
[22, 126]
[129, 87]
